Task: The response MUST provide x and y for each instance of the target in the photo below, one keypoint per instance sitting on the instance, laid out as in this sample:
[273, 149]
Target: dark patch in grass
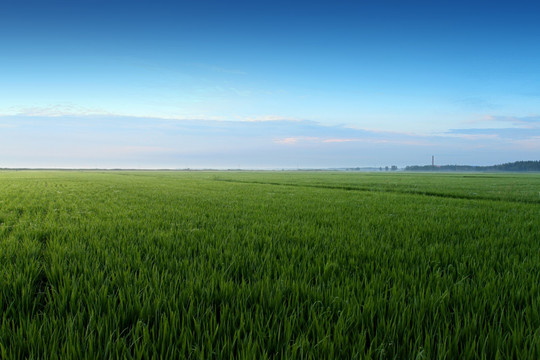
[41, 287]
[42, 237]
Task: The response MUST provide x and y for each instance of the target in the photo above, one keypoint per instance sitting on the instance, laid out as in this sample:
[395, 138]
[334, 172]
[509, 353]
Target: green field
[261, 265]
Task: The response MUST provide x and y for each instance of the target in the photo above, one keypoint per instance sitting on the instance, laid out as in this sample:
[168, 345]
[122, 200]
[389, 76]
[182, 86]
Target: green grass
[269, 265]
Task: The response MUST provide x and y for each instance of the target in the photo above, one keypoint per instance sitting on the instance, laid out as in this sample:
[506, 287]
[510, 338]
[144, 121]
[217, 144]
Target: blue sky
[267, 84]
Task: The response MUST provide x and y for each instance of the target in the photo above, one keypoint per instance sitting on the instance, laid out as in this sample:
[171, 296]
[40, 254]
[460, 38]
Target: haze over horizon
[267, 84]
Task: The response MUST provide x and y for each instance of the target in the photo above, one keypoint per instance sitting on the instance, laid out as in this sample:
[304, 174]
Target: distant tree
[515, 166]
[386, 168]
[394, 167]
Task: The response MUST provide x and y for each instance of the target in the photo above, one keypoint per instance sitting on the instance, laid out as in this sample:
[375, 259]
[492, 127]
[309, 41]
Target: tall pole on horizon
[433, 160]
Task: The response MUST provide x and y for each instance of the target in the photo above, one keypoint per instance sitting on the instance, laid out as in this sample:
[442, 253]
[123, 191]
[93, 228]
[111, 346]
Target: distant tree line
[514, 166]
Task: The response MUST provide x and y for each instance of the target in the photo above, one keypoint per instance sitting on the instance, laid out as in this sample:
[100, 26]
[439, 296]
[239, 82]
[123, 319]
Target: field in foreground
[269, 265]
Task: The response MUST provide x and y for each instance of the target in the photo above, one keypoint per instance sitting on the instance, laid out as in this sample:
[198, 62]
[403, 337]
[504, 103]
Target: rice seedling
[251, 265]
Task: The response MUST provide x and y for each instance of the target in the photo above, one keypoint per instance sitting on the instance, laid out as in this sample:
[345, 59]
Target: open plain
[258, 265]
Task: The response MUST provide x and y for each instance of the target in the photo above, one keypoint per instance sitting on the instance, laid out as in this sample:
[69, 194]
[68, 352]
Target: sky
[268, 84]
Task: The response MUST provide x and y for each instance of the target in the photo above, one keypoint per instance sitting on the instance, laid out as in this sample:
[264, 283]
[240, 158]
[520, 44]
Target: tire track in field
[381, 190]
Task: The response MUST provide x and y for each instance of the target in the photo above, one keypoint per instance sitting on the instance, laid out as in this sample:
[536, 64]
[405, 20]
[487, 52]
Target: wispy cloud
[289, 140]
[388, 140]
[269, 118]
[56, 110]
[263, 142]
[496, 121]
[295, 140]
[474, 136]
[340, 140]
[521, 121]
[494, 133]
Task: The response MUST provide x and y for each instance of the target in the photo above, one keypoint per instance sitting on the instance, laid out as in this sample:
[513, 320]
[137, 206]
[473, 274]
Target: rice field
[259, 265]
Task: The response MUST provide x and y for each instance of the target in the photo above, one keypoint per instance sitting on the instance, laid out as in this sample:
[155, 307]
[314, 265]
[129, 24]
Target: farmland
[261, 265]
